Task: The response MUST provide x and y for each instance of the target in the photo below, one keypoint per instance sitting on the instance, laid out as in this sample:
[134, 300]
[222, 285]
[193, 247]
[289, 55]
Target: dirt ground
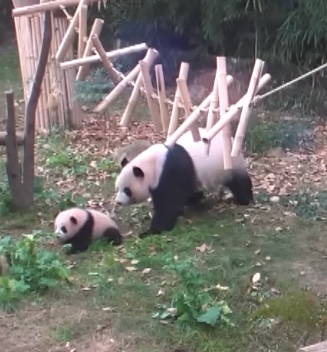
[46, 325]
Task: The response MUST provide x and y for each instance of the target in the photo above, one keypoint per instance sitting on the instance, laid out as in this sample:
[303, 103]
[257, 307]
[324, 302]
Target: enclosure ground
[113, 294]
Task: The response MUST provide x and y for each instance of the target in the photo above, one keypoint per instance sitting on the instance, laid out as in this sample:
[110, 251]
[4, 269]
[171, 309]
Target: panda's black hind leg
[240, 184]
[114, 236]
[195, 198]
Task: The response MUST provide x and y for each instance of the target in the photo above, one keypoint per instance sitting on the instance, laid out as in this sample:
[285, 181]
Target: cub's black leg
[114, 236]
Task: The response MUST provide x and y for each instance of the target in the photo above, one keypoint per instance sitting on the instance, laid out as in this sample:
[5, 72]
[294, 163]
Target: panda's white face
[67, 224]
[124, 196]
[131, 186]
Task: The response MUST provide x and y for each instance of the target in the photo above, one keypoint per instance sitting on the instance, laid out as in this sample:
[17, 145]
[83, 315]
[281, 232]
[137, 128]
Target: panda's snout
[58, 233]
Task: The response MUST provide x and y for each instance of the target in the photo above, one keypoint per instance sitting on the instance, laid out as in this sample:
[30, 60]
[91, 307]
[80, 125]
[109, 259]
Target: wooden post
[192, 118]
[154, 108]
[161, 89]
[29, 130]
[232, 111]
[183, 73]
[82, 33]
[95, 30]
[211, 119]
[186, 99]
[150, 57]
[111, 54]
[223, 102]
[114, 94]
[241, 128]
[185, 126]
[69, 36]
[45, 6]
[13, 166]
[106, 62]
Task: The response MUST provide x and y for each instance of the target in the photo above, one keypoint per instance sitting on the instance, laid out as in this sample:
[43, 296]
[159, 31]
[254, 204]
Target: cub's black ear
[138, 172]
[73, 220]
[124, 162]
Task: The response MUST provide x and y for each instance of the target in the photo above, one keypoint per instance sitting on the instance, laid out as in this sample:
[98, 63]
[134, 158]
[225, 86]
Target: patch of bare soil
[40, 329]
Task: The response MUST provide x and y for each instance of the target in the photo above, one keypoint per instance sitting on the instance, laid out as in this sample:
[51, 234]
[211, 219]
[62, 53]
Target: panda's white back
[209, 168]
[102, 222]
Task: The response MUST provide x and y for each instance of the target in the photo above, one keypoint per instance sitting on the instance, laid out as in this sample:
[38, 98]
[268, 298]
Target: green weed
[33, 269]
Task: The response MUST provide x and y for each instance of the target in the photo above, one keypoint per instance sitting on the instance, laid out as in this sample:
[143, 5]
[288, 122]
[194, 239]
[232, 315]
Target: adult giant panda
[153, 174]
[164, 174]
[79, 227]
[210, 168]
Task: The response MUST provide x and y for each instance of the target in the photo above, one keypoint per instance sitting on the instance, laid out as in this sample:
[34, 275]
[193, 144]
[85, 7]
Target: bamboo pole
[149, 58]
[192, 118]
[58, 76]
[96, 30]
[69, 36]
[187, 102]
[232, 111]
[82, 33]
[211, 119]
[153, 107]
[161, 89]
[241, 128]
[46, 6]
[183, 73]
[223, 102]
[111, 54]
[106, 62]
[114, 94]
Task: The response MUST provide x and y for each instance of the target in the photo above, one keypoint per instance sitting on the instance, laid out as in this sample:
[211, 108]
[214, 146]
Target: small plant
[265, 135]
[32, 269]
[109, 166]
[308, 204]
[70, 162]
[94, 88]
[192, 303]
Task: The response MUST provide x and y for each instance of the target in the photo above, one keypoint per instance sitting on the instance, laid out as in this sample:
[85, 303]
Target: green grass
[9, 65]
[202, 267]
[138, 284]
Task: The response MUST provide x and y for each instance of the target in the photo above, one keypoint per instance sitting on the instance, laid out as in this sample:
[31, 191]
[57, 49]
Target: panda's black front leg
[164, 219]
[79, 245]
[161, 222]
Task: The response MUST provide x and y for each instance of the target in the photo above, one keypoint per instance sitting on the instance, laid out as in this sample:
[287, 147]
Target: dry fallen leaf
[146, 271]
[256, 278]
[160, 292]
[135, 261]
[222, 288]
[130, 268]
[201, 248]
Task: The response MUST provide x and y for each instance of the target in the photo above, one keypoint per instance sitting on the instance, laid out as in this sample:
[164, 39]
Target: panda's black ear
[124, 162]
[138, 172]
[73, 220]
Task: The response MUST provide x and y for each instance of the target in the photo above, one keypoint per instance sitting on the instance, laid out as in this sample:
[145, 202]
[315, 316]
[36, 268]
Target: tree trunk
[29, 157]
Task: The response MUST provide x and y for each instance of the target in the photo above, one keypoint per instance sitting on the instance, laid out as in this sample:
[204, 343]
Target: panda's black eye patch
[128, 191]
[63, 229]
